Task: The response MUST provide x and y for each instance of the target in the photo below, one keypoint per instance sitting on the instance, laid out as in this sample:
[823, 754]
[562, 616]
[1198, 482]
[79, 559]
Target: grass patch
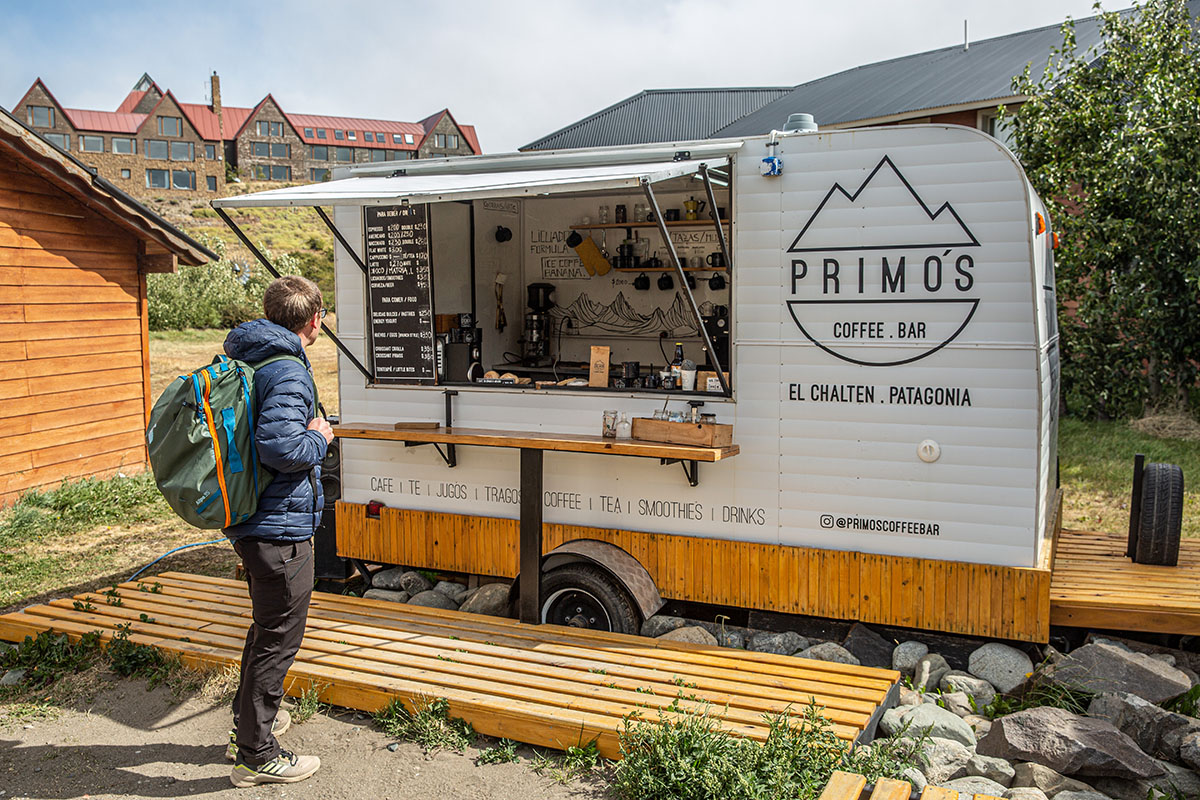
[503, 752]
[429, 725]
[687, 757]
[574, 763]
[1096, 460]
[1187, 703]
[74, 506]
[1040, 693]
[308, 704]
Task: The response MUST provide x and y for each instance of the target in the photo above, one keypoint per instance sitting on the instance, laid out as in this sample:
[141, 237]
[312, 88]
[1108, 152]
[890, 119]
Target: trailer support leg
[530, 602]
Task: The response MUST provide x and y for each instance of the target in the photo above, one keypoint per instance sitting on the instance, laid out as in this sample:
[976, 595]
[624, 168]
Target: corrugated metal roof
[468, 132]
[204, 119]
[104, 121]
[661, 115]
[359, 126]
[130, 102]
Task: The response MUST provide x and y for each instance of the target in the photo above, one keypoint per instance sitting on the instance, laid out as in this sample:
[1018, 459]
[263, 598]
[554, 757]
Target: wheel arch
[619, 564]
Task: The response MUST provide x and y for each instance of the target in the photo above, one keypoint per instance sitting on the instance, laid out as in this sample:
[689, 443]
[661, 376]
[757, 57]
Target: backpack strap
[284, 357]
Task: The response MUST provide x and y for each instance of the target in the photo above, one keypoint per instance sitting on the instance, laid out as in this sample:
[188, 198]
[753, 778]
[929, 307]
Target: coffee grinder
[535, 344]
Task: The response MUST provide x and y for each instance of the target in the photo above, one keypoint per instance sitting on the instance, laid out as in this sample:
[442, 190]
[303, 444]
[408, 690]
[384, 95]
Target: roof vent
[802, 123]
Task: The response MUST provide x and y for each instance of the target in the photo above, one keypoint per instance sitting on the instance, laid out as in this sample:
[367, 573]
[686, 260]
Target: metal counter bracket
[691, 469]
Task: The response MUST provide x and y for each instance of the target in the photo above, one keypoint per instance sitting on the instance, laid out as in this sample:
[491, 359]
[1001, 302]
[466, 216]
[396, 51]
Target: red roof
[360, 127]
[468, 132]
[104, 121]
[204, 119]
[130, 102]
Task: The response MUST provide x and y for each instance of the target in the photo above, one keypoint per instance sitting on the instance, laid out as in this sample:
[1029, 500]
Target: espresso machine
[535, 341]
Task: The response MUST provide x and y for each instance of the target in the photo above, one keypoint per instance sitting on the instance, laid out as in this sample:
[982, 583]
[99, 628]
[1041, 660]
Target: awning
[426, 186]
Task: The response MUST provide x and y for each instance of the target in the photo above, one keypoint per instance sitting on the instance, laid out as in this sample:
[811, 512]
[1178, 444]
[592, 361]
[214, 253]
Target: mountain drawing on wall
[621, 317]
[884, 213]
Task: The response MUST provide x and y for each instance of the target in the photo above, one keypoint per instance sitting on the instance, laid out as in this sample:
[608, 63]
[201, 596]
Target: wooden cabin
[74, 340]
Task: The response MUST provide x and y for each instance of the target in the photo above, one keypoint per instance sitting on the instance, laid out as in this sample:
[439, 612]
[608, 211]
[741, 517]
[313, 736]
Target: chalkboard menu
[399, 293]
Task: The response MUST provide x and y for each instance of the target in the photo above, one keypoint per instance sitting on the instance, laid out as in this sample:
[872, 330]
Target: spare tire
[1161, 522]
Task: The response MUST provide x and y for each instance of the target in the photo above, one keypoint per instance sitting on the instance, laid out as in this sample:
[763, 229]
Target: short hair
[291, 301]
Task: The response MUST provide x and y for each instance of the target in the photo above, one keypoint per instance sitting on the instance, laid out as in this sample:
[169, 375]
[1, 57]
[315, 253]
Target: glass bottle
[677, 364]
[624, 427]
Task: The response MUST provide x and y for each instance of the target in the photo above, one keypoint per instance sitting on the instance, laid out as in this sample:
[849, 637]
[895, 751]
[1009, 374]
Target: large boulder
[432, 599]
[1024, 793]
[957, 703]
[386, 594]
[871, 649]
[1175, 782]
[939, 723]
[389, 579]
[414, 582]
[1000, 665]
[1157, 731]
[1103, 667]
[690, 633]
[1189, 750]
[1069, 744]
[1045, 779]
[929, 671]
[783, 644]
[661, 623]
[981, 692]
[973, 785]
[1089, 795]
[994, 769]
[455, 591]
[891, 722]
[916, 778]
[981, 725]
[944, 761]
[907, 654]
[828, 651]
[490, 599]
[730, 637]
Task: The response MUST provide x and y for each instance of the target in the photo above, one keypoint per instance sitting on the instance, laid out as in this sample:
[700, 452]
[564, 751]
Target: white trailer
[892, 377]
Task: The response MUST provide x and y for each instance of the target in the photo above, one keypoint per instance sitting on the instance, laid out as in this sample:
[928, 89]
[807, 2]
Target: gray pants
[280, 575]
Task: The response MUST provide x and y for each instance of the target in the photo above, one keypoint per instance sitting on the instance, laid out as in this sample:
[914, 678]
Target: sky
[516, 70]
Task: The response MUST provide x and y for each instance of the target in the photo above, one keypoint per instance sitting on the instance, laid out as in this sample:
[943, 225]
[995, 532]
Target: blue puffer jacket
[289, 509]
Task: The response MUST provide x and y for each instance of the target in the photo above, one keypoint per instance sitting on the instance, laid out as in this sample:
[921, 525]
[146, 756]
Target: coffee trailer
[872, 311]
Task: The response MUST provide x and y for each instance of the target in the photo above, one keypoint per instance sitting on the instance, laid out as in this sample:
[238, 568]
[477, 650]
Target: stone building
[153, 145]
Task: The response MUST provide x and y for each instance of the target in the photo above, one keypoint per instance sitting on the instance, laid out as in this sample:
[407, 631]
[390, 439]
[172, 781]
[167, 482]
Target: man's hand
[321, 426]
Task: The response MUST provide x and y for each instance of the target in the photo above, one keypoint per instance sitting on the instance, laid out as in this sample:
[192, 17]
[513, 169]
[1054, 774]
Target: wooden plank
[81, 312]
[160, 262]
[91, 447]
[89, 345]
[64, 260]
[12, 351]
[13, 482]
[38, 222]
[76, 399]
[40, 331]
[144, 335]
[68, 435]
[891, 789]
[12, 313]
[12, 199]
[938, 793]
[49, 420]
[51, 240]
[80, 368]
[843, 786]
[541, 440]
[39, 276]
[26, 182]
[108, 293]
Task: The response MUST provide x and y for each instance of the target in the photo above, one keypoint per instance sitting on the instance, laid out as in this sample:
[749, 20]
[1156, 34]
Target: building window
[61, 140]
[211, 180]
[453, 141]
[369, 137]
[125, 174]
[308, 133]
[320, 133]
[439, 140]
[210, 152]
[41, 116]
[379, 155]
[338, 134]
[280, 173]
[319, 152]
[408, 138]
[317, 175]
[379, 137]
[91, 144]
[183, 179]
[183, 151]
[350, 135]
[397, 139]
[343, 154]
[156, 179]
[170, 126]
[260, 149]
[262, 172]
[281, 150]
[125, 146]
[157, 149]
[277, 129]
[993, 126]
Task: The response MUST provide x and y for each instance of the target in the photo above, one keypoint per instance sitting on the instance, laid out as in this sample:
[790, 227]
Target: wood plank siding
[74, 355]
[955, 597]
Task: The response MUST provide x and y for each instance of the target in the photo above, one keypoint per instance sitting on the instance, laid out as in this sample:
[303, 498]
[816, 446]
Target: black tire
[1161, 520]
[584, 596]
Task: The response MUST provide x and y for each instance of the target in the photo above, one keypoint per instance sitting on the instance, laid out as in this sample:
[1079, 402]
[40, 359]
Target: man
[275, 544]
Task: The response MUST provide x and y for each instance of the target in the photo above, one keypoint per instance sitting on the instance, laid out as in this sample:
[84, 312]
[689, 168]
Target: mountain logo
[878, 276]
[918, 225]
[620, 316]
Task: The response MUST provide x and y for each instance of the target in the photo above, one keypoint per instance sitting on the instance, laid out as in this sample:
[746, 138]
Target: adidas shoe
[283, 768]
[283, 721]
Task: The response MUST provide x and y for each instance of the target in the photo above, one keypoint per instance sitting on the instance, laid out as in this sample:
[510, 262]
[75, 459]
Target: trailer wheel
[583, 596]
[1161, 520]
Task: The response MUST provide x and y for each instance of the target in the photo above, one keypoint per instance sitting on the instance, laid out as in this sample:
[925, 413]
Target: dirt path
[131, 743]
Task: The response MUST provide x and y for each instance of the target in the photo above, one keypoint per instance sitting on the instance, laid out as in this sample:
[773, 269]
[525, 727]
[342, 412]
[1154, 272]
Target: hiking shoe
[283, 768]
[283, 721]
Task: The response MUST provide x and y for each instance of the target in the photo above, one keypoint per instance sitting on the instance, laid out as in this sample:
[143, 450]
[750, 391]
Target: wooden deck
[848, 786]
[1094, 585]
[542, 685]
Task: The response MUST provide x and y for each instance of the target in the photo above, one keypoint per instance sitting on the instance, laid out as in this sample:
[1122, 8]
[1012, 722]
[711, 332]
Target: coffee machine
[535, 341]
[716, 323]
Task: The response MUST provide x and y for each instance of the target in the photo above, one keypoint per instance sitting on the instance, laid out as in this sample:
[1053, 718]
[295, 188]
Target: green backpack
[201, 444]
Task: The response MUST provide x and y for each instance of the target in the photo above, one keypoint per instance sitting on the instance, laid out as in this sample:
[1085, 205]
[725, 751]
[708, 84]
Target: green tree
[1111, 141]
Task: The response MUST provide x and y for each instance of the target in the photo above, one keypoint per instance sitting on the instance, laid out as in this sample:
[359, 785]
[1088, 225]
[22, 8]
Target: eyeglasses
[323, 312]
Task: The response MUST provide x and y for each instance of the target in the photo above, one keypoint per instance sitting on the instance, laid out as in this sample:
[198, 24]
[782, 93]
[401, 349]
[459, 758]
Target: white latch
[929, 451]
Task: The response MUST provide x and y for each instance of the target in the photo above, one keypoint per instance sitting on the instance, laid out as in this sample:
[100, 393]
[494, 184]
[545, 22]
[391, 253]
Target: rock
[981, 692]
[393, 747]
[433, 599]
[661, 623]
[783, 644]
[1080, 796]
[490, 599]
[1104, 667]
[940, 724]
[957, 703]
[994, 769]
[1025, 793]
[1174, 782]
[1068, 744]
[1157, 731]
[1189, 750]
[946, 760]
[914, 776]
[12, 677]
[1002, 666]
[455, 591]
[731, 637]
[1045, 779]
[910, 697]
[871, 649]
[828, 651]
[387, 594]
[973, 785]
[692, 633]
[907, 654]
[414, 583]
[389, 579]
[981, 725]
[929, 671]
[890, 721]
